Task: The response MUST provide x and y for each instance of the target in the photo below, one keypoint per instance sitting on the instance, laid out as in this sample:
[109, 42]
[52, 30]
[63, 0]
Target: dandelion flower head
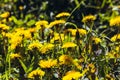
[15, 55]
[117, 49]
[56, 22]
[115, 38]
[91, 67]
[69, 45]
[4, 27]
[47, 63]
[46, 47]
[81, 31]
[10, 19]
[34, 44]
[5, 15]
[72, 31]
[62, 14]
[31, 30]
[115, 21]
[89, 18]
[27, 34]
[21, 8]
[15, 41]
[65, 59]
[96, 40]
[70, 75]
[41, 23]
[34, 73]
[109, 77]
[112, 54]
[57, 37]
[76, 62]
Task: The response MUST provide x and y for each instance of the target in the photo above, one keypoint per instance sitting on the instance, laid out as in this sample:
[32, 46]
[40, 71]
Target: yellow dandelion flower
[47, 63]
[85, 70]
[36, 73]
[27, 34]
[10, 19]
[115, 21]
[115, 38]
[3, 34]
[57, 37]
[21, 8]
[32, 30]
[77, 64]
[117, 49]
[109, 77]
[56, 22]
[112, 54]
[46, 47]
[96, 40]
[93, 70]
[20, 29]
[89, 18]
[69, 45]
[72, 31]
[91, 67]
[5, 15]
[81, 60]
[15, 40]
[4, 27]
[18, 32]
[15, 55]
[81, 31]
[35, 44]
[4, 20]
[9, 35]
[65, 59]
[62, 14]
[41, 23]
[70, 75]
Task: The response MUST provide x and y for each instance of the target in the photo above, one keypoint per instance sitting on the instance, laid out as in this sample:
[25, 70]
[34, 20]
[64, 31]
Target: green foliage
[83, 42]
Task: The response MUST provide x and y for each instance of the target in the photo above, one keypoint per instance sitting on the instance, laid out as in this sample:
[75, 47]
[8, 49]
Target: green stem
[71, 15]
[76, 2]
[103, 3]
[6, 68]
[70, 23]
[9, 64]
[91, 27]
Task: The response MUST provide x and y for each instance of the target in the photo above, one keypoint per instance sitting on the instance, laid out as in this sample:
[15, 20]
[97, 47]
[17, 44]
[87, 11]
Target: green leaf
[102, 26]
[76, 2]
[23, 65]
[44, 6]
[30, 68]
[14, 19]
[6, 1]
[19, 22]
[31, 22]
[27, 17]
[31, 65]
